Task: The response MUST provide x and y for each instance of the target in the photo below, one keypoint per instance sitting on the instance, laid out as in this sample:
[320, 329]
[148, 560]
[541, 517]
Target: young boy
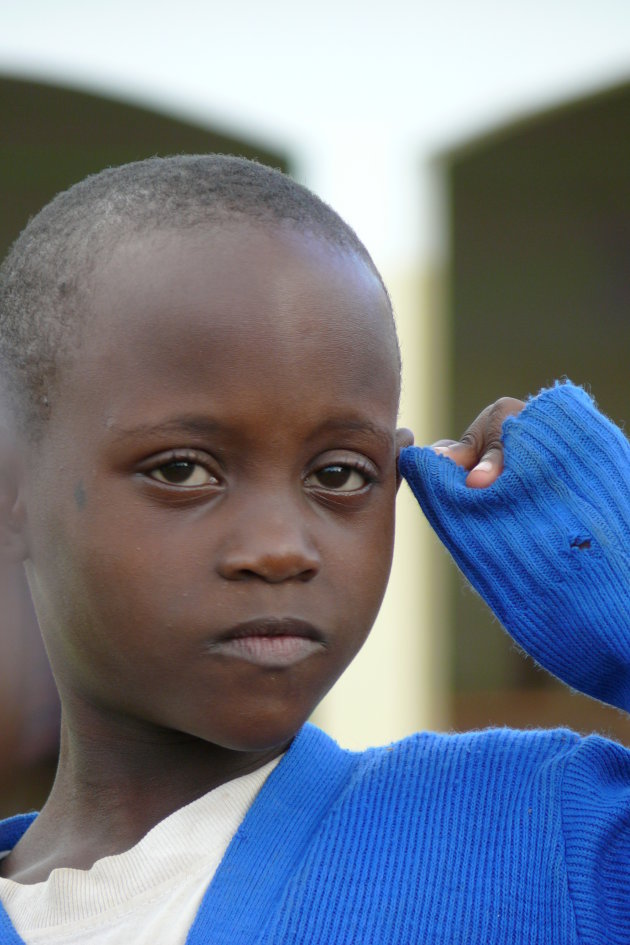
[203, 377]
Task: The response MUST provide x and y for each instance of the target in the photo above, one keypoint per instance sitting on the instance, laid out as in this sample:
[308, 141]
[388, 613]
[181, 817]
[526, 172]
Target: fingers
[480, 449]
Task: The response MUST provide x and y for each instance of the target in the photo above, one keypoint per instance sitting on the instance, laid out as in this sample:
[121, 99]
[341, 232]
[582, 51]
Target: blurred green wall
[51, 137]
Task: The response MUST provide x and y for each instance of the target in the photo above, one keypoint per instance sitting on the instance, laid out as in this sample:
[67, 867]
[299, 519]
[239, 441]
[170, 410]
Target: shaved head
[47, 277]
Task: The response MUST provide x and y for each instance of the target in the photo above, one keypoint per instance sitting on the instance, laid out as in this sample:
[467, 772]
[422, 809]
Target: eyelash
[192, 460]
[183, 458]
[355, 466]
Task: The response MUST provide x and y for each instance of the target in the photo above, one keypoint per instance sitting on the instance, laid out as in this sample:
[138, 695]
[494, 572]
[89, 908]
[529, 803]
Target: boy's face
[210, 514]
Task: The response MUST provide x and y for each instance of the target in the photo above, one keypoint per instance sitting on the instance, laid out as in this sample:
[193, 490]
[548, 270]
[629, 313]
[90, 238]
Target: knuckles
[483, 436]
[484, 433]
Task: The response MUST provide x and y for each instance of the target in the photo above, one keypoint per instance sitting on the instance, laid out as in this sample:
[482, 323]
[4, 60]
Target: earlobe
[404, 437]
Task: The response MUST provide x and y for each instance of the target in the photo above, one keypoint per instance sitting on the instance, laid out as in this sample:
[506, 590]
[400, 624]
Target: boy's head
[210, 374]
[46, 279]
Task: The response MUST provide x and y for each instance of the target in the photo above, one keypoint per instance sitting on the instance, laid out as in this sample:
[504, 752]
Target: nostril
[270, 544]
[273, 574]
[307, 574]
[274, 568]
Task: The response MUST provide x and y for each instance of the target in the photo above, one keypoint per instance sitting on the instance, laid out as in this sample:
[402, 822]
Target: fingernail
[484, 466]
[440, 449]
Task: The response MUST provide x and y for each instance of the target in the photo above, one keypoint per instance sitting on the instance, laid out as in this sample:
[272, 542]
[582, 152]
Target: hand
[480, 448]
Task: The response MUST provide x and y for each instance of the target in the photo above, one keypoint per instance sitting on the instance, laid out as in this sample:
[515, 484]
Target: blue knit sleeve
[548, 544]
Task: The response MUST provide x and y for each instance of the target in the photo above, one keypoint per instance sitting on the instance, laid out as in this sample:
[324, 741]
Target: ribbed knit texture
[548, 544]
[498, 837]
[490, 838]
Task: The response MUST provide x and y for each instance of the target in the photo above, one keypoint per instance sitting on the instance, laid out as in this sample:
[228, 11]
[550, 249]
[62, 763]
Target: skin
[480, 449]
[221, 449]
[28, 700]
[29, 705]
[258, 370]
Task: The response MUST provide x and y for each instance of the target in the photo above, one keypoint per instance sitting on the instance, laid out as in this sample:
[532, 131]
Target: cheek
[88, 581]
[361, 561]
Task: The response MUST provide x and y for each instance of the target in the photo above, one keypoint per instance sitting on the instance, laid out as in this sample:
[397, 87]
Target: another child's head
[203, 372]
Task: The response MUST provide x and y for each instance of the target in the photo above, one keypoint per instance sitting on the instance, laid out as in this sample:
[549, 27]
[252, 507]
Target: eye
[338, 477]
[183, 472]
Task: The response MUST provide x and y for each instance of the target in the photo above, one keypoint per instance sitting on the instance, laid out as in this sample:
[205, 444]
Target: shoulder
[494, 768]
[488, 750]
[487, 768]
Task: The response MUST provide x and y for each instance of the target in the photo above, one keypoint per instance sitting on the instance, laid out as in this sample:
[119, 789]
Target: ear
[13, 545]
[404, 437]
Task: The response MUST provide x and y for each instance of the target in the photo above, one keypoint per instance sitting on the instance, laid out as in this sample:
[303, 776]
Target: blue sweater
[488, 838]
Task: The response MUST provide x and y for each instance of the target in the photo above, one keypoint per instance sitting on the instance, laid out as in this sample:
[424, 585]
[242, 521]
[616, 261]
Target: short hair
[44, 279]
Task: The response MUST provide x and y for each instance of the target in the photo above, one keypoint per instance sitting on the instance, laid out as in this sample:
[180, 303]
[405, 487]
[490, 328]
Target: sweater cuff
[547, 544]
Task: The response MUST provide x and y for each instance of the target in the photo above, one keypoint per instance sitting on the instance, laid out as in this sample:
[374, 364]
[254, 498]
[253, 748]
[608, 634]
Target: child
[203, 373]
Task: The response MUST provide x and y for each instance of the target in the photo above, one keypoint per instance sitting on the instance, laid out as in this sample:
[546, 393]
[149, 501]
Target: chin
[263, 731]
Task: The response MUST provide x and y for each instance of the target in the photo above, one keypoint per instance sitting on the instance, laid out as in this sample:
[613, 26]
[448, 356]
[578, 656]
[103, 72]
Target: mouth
[272, 642]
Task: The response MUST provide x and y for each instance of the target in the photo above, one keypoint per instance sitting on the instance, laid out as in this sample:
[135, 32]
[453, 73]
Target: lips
[273, 627]
[272, 642]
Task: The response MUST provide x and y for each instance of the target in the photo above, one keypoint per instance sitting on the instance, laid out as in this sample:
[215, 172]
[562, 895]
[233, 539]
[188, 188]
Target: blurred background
[481, 151]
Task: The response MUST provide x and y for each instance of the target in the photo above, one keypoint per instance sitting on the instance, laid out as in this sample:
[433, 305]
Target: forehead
[240, 311]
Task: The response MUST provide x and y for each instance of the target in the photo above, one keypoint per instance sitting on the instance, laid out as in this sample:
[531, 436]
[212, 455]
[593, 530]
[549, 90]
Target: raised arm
[547, 543]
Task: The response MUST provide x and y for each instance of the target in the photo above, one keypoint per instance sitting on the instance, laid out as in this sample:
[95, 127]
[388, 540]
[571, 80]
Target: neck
[112, 786]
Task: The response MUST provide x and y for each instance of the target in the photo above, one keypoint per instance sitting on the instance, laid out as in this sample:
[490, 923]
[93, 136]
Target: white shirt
[148, 895]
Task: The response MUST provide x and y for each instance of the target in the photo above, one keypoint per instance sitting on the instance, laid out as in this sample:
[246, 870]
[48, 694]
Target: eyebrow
[193, 424]
[344, 425]
[203, 426]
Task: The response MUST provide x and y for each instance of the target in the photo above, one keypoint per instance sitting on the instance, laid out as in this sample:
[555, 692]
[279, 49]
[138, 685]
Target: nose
[271, 542]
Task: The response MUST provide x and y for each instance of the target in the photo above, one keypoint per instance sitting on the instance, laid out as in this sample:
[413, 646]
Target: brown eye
[183, 473]
[338, 478]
